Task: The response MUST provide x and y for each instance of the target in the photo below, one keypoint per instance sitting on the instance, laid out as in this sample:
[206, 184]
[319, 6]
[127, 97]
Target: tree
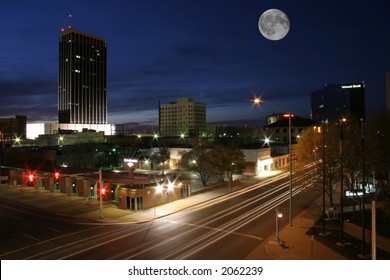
[310, 149]
[376, 149]
[197, 161]
[227, 160]
[81, 155]
[309, 146]
[352, 166]
[161, 156]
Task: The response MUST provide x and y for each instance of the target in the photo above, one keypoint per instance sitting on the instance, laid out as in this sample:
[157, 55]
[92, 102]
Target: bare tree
[377, 151]
[227, 160]
[197, 161]
[310, 149]
[161, 156]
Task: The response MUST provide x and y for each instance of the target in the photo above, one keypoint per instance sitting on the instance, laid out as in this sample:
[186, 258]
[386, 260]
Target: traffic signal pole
[101, 193]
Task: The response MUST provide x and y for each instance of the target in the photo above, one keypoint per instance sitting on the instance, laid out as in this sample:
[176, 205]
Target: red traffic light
[57, 175]
[30, 180]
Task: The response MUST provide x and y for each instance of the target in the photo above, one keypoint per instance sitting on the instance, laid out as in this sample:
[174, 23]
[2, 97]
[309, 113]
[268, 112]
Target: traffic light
[56, 177]
[74, 187]
[30, 180]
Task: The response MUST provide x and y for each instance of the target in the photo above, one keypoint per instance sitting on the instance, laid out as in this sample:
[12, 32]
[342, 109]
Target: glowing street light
[171, 186]
[258, 101]
[60, 140]
[17, 141]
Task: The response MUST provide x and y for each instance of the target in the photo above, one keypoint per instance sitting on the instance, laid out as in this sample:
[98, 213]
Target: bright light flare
[170, 186]
[159, 188]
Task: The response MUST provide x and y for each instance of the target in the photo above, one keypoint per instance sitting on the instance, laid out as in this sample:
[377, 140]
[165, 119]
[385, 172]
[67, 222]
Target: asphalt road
[228, 227]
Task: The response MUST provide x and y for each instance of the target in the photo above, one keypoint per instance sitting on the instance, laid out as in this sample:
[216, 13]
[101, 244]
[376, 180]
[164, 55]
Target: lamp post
[323, 177]
[278, 215]
[363, 189]
[290, 163]
[257, 101]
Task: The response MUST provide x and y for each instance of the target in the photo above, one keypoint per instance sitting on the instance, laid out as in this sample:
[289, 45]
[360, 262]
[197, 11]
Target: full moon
[274, 24]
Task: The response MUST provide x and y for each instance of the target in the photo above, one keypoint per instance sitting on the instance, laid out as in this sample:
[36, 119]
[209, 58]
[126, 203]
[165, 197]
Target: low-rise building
[277, 132]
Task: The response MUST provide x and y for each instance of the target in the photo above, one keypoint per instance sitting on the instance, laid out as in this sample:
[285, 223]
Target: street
[227, 227]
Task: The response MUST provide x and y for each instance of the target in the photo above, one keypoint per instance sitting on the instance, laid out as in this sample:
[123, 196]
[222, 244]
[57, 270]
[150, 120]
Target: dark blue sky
[210, 50]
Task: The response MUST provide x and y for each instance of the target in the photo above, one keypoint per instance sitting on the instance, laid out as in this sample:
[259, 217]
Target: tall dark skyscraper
[82, 85]
[333, 102]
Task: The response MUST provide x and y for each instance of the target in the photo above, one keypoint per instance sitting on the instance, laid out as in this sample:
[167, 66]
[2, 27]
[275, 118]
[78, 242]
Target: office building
[277, 132]
[82, 85]
[334, 102]
[12, 128]
[185, 117]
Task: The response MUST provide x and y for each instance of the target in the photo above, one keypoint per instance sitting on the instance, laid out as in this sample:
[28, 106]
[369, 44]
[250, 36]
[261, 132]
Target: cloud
[35, 98]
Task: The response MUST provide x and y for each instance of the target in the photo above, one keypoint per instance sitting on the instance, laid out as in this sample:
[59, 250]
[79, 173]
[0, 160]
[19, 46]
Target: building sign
[131, 162]
[127, 160]
[351, 86]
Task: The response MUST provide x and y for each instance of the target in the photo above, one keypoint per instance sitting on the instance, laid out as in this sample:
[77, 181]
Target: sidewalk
[296, 243]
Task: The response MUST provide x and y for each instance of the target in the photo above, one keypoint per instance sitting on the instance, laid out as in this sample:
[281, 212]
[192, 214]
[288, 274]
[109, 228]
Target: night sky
[210, 50]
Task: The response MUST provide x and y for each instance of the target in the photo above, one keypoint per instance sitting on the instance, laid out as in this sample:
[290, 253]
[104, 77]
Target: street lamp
[290, 162]
[258, 101]
[17, 141]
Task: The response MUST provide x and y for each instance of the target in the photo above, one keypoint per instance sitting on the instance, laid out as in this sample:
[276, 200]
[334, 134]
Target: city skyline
[212, 52]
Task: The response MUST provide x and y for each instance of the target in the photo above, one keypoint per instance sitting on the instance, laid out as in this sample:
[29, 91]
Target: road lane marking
[29, 236]
[17, 218]
[56, 230]
[216, 229]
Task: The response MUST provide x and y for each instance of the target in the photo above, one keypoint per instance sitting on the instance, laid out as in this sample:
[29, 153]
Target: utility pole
[101, 193]
[290, 160]
[363, 189]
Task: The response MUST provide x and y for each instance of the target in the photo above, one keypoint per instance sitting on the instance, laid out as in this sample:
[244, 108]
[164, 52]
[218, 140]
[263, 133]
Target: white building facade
[185, 117]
